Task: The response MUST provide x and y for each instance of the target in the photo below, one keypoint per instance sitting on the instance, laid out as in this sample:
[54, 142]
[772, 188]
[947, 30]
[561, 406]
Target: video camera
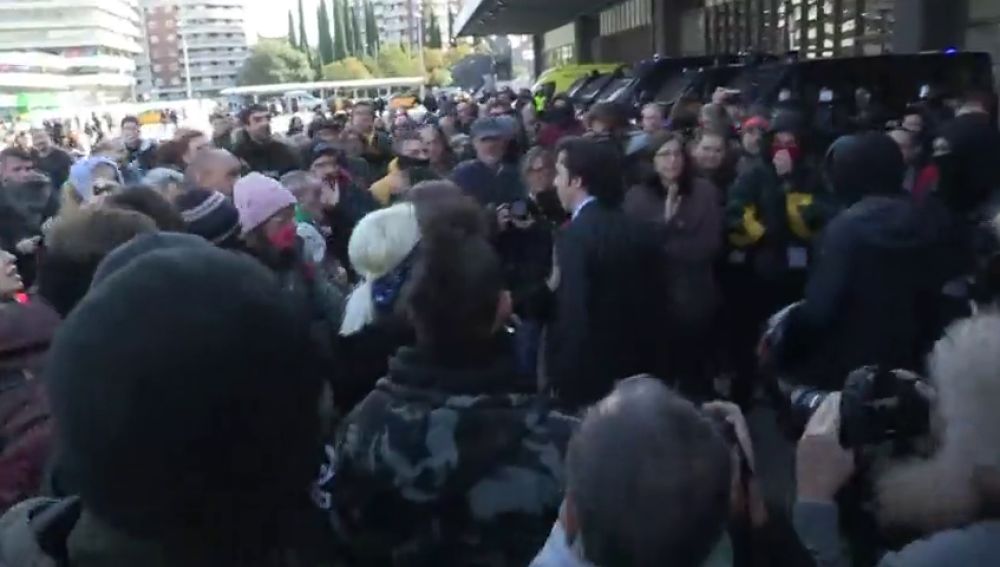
[877, 404]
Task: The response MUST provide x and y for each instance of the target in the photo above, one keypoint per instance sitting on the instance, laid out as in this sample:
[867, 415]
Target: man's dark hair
[15, 153]
[364, 104]
[76, 244]
[150, 203]
[130, 119]
[648, 476]
[598, 164]
[249, 110]
[324, 124]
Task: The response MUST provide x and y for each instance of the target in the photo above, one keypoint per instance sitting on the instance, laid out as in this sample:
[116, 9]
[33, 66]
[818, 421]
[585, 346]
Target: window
[157, 68]
[154, 39]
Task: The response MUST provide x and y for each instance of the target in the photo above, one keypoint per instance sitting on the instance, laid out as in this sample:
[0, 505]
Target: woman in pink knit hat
[267, 218]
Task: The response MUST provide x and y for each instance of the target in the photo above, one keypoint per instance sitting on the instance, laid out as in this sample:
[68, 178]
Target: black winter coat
[609, 318]
[871, 294]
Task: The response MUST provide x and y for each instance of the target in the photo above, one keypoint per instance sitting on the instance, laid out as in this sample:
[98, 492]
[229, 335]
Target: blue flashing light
[951, 51]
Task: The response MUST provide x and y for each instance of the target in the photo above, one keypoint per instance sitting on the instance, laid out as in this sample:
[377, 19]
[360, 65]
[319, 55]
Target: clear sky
[269, 18]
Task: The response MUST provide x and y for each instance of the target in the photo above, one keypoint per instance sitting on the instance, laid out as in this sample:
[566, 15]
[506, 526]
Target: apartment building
[192, 45]
[87, 46]
[401, 21]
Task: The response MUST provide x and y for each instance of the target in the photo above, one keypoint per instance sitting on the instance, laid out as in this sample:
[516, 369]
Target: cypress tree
[341, 47]
[434, 32]
[345, 12]
[291, 31]
[371, 29]
[303, 40]
[358, 44]
[325, 41]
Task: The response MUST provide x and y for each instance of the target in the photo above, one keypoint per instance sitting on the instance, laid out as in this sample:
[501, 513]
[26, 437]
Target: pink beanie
[258, 198]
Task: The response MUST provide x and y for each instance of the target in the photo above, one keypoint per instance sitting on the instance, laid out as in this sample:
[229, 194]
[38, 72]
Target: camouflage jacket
[443, 466]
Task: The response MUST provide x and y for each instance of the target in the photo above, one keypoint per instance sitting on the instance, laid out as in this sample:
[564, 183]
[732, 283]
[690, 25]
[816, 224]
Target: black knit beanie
[210, 215]
[183, 406]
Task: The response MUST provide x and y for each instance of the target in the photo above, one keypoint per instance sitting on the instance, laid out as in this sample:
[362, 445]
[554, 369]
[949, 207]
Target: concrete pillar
[667, 27]
[588, 29]
[928, 25]
[538, 47]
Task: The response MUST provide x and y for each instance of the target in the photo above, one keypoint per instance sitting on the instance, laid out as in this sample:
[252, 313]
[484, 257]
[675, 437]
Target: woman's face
[540, 176]
[433, 144]
[279, 230]
[669, 161]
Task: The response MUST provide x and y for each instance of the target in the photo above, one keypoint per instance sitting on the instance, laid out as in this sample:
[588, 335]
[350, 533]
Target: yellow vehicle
[559, 79]
[149, 117]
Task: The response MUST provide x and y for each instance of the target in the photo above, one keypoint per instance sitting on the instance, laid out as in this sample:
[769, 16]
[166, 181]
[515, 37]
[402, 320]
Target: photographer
[875, 275]
[950, 498]
[525, 231]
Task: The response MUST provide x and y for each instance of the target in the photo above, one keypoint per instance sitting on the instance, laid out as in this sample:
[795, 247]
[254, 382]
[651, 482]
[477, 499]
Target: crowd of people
[502, 335]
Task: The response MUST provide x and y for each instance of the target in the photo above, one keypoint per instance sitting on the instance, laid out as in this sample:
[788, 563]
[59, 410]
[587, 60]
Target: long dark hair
[452, 294]
[687, 174]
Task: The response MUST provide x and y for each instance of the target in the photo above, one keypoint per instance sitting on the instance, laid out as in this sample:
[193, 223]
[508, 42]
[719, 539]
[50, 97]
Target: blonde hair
[380, 242]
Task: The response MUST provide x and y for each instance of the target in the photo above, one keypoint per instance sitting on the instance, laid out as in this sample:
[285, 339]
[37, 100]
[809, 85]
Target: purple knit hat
[258, 198]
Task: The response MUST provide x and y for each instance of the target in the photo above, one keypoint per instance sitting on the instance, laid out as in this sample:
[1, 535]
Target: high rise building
[398, 21]
[88, 46]
[199, 44]
[401, 21]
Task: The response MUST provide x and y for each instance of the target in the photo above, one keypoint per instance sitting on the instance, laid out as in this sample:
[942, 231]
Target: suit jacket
[609, 316]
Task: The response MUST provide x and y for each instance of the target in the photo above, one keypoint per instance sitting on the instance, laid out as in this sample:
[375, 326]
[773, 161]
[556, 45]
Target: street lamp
[187, 66]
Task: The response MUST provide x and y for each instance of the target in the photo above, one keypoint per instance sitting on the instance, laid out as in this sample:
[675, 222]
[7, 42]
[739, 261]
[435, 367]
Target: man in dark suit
[608, 317]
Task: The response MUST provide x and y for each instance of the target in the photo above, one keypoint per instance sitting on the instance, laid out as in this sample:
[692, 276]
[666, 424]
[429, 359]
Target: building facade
[194, 47]
[580, 31]
[86, 46]
[402, 21]
[399, 21]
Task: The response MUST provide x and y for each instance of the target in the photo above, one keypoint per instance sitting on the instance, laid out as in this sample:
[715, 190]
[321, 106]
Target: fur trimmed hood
[951, 488]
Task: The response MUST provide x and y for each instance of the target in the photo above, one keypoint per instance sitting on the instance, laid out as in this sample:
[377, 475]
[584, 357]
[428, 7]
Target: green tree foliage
[358, 45]
[398, 62]
[433, 32]
[348, 69]
[372, 65]
[274, 61]
[341, 47]
[291, 31]
[348, 28]
[325, 41]
[456, 54]
[371, 29]
[434, 58]
[439, 77]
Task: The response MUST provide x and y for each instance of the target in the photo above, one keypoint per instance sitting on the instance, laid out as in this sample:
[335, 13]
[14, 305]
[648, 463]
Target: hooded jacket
[875, 277]
[444, 464]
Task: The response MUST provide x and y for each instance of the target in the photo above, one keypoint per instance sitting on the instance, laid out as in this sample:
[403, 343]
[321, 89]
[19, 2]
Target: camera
[876, 406]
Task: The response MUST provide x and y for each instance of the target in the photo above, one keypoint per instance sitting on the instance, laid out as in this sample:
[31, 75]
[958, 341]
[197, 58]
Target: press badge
[797, 257]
